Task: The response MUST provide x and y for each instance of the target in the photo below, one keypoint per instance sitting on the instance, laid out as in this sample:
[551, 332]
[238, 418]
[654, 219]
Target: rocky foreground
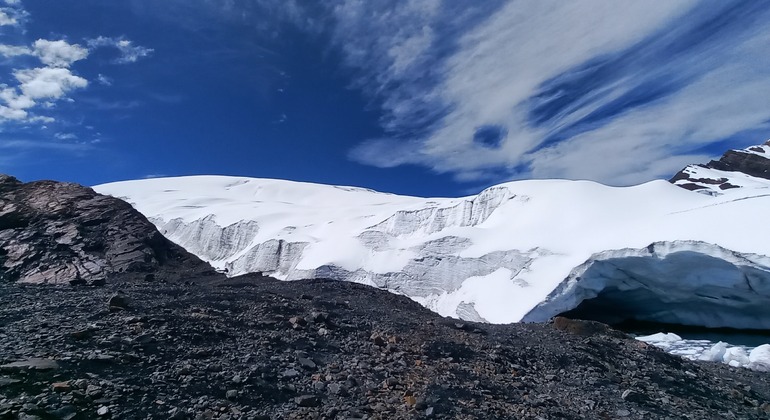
[256, 348]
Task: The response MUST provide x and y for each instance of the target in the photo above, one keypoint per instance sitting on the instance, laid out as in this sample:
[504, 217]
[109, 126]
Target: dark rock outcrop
[55, 232]
[752, 164]
[753, 161]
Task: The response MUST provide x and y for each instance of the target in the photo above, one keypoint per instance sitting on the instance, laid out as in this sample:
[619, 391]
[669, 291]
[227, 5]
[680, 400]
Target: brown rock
[582, 327]
[61, 386]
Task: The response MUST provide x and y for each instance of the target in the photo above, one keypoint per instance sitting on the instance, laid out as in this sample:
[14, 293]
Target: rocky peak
[735, 169]
[56, 232]
[7, 181]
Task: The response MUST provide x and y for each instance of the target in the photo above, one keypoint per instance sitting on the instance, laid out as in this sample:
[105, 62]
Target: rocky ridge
[735, 169]
[59, 233]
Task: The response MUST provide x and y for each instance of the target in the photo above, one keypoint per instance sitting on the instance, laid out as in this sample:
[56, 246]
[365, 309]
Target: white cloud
[34, 145]
[48, 82]
[387, 153]
[641, 142]
[6, 19]
[13, 50]
[129, 52]
[12, 98]
[41, 119]
[43, 86]
[58, 53]
[13, 15]
[12, 113]
[440, 69]
[104, 80]
[65, 136]
[37, 87]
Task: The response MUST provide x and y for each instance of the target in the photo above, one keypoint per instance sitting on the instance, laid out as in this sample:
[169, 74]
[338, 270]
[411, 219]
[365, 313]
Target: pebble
[307, 401]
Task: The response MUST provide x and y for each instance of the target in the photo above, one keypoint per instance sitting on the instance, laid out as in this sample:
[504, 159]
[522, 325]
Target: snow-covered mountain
[748, 167]
[524, 250]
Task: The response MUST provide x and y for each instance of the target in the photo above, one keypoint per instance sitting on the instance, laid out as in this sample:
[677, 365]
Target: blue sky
[422, 97]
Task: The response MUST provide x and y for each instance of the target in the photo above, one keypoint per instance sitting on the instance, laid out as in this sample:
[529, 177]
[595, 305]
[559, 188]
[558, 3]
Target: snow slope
[524, 250]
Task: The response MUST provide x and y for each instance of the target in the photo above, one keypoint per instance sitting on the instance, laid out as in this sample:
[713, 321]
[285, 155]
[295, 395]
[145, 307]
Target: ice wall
[680, 282]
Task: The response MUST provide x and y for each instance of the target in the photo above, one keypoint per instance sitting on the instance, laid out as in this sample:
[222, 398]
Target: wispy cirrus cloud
[619, 92]
[22, 147]
[504, 89]
[129, 52]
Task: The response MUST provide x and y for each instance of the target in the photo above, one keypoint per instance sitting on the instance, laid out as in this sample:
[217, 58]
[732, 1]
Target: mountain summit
[748, 167]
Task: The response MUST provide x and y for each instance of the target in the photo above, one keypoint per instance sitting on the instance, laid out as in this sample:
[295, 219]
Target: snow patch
[755, 358]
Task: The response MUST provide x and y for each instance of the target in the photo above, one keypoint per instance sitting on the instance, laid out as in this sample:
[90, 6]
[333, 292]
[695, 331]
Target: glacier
[518, 251]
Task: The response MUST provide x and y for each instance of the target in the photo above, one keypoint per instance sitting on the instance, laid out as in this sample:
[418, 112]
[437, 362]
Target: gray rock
[308, 401]
[66, 412]
[118, 300]
[306, 363]
[30, 364]
[94, 391]
[631, 395]
[8, 381]
[337, 389]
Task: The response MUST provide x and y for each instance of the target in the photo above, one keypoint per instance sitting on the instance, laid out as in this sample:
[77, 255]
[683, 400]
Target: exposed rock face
[732, 170]
[54, 232]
